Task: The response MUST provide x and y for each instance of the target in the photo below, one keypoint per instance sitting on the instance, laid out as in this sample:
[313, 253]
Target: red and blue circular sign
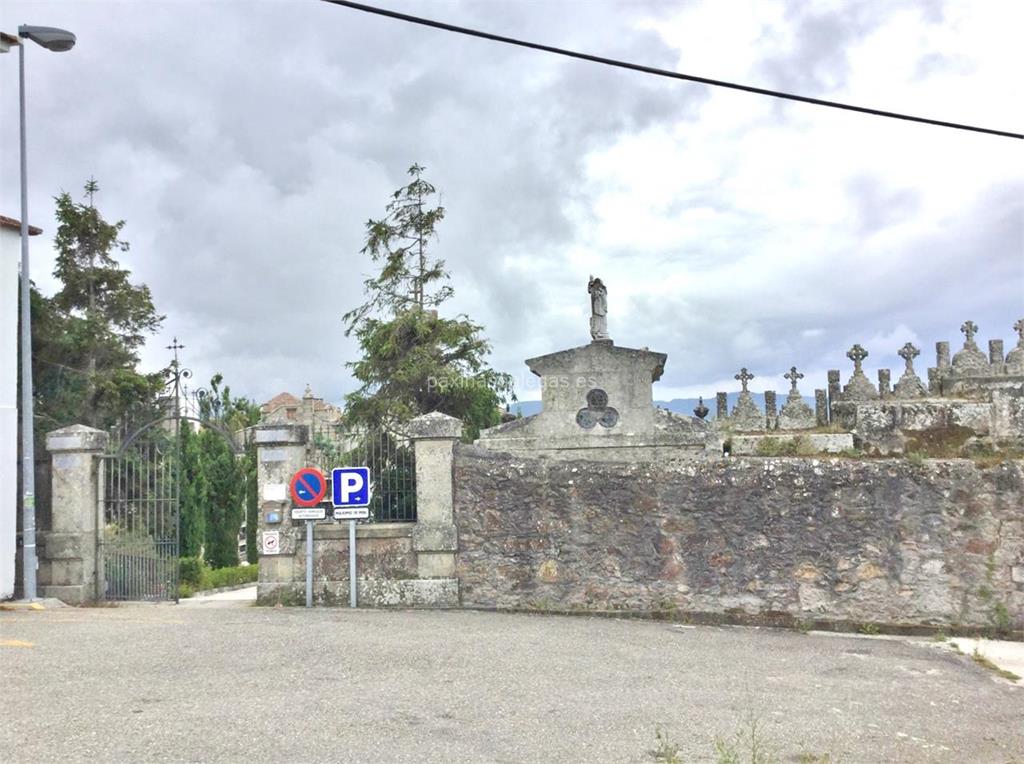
[308, 487]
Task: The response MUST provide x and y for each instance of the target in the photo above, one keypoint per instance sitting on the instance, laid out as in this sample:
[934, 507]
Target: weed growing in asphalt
[750, 745]
[665, 751]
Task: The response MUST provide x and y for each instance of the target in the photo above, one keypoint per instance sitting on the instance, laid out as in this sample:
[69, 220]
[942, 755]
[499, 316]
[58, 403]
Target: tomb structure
[598, 405]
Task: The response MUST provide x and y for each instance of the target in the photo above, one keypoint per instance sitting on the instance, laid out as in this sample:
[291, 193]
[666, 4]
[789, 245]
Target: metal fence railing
[389, 456]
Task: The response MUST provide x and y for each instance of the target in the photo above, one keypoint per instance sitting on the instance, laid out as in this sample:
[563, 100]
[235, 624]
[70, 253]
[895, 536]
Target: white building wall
[10, 254]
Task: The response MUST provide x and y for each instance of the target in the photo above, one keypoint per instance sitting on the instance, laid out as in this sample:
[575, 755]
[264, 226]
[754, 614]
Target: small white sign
[308, 513]
[271, 542]
[351, 513]
[275, 492]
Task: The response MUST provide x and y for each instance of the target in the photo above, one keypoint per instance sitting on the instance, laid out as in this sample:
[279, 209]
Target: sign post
[351, 500]
[308, 487]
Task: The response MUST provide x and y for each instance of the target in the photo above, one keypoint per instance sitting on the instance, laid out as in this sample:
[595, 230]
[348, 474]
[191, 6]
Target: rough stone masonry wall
[938, 543]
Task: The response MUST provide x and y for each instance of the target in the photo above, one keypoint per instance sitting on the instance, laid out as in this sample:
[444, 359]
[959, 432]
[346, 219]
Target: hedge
[195, 576]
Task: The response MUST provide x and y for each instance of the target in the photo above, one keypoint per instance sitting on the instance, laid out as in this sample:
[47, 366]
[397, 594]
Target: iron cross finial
[793, 375]
[857, 354]
[175, 346]
[969, 328]
[744, 376]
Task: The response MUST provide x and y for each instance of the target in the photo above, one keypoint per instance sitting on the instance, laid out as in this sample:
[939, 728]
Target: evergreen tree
[193, 491]
[413, 360]
[226, 478]
[86, 337]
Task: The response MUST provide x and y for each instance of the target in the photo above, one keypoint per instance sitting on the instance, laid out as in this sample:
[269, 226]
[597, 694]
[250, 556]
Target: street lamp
[57, 40]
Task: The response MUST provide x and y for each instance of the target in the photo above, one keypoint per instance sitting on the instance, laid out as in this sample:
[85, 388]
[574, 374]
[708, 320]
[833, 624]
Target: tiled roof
[13, 223]
[279, 400]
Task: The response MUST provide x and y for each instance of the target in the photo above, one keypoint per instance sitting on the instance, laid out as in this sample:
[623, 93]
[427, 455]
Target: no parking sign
[308, 488]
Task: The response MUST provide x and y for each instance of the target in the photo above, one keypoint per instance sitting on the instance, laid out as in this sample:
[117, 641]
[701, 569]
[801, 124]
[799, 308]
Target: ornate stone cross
[857, 354]
[793, 375]
[908, 353]
[969, 329]
[744, 376]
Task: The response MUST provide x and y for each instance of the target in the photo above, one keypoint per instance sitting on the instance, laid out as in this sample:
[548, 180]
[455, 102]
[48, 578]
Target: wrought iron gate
[140, 536]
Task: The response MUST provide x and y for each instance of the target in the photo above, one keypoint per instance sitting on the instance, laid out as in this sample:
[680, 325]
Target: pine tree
[413, 360]
[86, 337]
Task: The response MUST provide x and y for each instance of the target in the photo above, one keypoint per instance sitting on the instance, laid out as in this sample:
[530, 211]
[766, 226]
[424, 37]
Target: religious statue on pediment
[598, 310]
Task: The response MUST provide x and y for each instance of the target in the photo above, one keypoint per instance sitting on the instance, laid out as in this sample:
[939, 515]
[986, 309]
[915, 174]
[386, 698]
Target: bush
[190, 571]
[239, 574]
[195, 576]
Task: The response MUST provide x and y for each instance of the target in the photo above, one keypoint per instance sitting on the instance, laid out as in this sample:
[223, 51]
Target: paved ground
[232, 596]
[240, 683]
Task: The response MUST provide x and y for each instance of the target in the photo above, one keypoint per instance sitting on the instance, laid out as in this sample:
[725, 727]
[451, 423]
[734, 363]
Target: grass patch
[981, 660]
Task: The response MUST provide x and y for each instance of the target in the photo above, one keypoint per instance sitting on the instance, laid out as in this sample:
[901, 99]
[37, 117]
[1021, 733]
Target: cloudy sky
[246, 144]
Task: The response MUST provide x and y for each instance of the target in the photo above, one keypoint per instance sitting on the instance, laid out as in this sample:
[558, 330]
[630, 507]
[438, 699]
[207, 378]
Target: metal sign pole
[309, 563]
[351, 563]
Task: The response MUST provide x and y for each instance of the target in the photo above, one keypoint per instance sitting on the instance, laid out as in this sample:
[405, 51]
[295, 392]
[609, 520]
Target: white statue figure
[598, 310]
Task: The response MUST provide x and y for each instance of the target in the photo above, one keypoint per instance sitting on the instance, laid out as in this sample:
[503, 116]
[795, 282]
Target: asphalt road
[240, 683]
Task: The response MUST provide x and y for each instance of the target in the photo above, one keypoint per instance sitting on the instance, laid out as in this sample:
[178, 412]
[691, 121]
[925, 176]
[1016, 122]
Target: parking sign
[350, 492]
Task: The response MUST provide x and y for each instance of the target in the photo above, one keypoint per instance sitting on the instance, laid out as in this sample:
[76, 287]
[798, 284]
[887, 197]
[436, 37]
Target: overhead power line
[666, 72]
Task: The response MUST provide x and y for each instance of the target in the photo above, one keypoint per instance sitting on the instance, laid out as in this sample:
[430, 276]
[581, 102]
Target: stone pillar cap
[434, 425]
[77, 437]
[279, 434]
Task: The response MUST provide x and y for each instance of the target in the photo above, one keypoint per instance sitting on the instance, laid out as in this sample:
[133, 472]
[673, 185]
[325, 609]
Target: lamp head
[51, 38]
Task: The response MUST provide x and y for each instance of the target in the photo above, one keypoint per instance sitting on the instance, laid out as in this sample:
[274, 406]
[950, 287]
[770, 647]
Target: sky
[246, 144]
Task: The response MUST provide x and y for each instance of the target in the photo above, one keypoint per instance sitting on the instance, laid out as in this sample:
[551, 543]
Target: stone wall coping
[279, 434]
[434, 426]
[77, 437]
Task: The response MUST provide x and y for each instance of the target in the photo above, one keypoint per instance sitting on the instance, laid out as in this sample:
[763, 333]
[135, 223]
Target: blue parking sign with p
[350, 486]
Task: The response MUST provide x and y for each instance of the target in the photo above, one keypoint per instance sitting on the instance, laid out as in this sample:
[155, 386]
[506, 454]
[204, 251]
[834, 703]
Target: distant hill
[684, 406]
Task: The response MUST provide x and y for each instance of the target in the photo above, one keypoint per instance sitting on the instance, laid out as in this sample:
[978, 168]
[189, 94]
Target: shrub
[239, 574]
[190, 571]
[196, 576]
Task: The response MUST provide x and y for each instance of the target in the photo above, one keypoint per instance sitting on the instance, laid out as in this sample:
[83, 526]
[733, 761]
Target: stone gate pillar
[280, 451]
[435, 538]
[69, 551]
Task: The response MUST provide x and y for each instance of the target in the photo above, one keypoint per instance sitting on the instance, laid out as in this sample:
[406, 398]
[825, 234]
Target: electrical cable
[666, 73]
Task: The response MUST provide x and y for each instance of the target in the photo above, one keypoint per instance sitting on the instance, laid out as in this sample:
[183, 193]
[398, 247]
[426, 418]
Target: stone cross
[744, 376]
[793, 376]
[969, 329]
[1019, 328]
[857, 354]
[908, 353]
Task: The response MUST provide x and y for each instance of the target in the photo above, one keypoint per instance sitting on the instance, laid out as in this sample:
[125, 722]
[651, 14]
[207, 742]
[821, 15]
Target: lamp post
[57, 40]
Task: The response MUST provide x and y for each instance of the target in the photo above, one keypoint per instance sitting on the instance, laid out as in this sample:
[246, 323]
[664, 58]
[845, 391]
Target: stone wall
[895, 542]
[397, 564]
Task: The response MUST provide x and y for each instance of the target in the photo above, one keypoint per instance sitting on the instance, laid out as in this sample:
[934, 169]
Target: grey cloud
[247, 155]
